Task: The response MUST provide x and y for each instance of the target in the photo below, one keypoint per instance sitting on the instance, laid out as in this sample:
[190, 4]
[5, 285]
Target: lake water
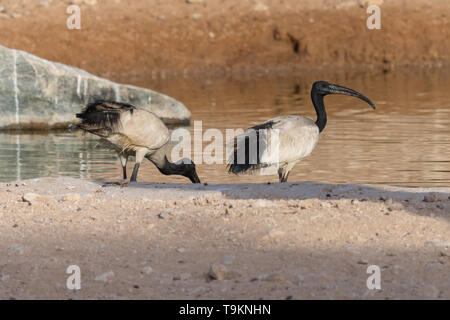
[406, 141]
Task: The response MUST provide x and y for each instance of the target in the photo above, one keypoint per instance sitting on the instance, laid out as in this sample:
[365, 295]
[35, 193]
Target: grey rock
[37, 93]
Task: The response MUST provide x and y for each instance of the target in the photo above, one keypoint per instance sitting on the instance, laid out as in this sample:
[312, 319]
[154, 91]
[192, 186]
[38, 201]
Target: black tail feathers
[103, 114]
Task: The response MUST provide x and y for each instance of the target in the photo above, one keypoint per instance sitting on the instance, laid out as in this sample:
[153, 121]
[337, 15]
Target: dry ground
[159, 241]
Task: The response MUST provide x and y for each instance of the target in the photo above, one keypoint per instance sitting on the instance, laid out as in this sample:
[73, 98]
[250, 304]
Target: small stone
[4, 277]
[31, 198]
[429, 197]
[181, 250]
[195, 17]
[260, 7]
[147, 270]
[105, 277]
[163, 214]
[184, 276]
[363, 261]
[219, 272]
[71, 197]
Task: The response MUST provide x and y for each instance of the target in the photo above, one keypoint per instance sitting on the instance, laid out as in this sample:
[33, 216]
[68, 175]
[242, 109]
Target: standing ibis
[294, 137]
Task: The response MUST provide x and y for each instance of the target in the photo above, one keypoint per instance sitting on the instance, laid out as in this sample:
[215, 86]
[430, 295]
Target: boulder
[37, 93]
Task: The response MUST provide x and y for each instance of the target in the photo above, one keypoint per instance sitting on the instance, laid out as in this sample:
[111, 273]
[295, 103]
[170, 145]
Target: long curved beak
[194, 178]
[337, 89]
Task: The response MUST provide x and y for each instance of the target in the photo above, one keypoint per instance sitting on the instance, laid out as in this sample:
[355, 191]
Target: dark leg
[135, 172]
[285, 178]
[123, 160]
[139, 157]
[283, 175]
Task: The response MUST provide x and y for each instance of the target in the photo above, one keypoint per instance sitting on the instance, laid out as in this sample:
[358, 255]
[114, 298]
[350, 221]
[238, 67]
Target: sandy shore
[159, 241]
[160, 39]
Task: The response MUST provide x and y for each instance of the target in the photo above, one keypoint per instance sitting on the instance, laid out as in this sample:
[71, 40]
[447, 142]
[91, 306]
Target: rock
[429, 197]
[181, 250]
[363, 261]
[147, 270]
[163, 214]
[220, 272]
[105, 277]
[71, 197]
[260, 7]
[31, 198]
[37, 93]
[4, 277]
[185, 276]
[196, 16]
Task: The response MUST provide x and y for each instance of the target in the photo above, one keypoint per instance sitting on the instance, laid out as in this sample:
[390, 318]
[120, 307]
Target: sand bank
[159, 241]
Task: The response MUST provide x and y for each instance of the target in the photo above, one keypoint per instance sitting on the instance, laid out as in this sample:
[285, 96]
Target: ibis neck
[168, 168]
[317, 100]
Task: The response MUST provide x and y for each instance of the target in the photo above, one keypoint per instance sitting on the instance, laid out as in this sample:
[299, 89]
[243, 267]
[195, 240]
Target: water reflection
[406, 141]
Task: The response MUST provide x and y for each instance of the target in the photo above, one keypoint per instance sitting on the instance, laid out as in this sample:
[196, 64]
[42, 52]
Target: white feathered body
[283, 142]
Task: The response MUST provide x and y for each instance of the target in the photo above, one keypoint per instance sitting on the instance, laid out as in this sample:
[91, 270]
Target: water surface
[406, 141]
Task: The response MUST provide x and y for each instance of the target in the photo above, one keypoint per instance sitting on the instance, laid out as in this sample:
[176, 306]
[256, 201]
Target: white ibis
[296, 137]
[134, 131]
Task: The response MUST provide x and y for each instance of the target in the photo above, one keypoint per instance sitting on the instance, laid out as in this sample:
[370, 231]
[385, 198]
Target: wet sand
[266, 241]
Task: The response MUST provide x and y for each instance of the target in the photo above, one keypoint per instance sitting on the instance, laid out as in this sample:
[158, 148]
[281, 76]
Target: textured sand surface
[159, 241]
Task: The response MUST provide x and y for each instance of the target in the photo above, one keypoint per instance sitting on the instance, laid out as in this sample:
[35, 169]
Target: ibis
[276, 145]
[134, 131]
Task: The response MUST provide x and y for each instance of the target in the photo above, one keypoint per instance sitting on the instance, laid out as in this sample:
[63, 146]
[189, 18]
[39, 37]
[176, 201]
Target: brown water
[406, 141]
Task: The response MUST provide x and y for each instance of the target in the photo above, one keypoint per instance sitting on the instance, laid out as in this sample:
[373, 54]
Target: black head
[189, 170]
[324, 88]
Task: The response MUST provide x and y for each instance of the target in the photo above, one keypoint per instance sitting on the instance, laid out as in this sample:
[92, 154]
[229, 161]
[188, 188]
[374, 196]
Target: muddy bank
[173, 38]
[290, 241]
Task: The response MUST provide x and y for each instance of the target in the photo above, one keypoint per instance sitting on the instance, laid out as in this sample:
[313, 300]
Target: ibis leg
[135, 172]
[123, 160]
[283, 175]
[139, 157]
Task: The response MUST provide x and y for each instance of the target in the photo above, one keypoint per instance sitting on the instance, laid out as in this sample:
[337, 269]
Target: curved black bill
[337, 89]
[194, 177]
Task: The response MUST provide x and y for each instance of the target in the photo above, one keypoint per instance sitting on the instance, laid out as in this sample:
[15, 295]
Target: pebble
[31, 198]
[429, 197]
[196, 16]
[163, 214]
[4, 277]
[71, 197]
[147, 270]
[220, 272]
[105, 277]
